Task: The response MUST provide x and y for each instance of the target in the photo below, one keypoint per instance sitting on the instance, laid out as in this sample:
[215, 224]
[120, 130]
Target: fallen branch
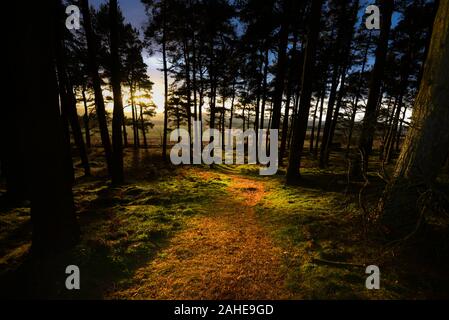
[338, 263]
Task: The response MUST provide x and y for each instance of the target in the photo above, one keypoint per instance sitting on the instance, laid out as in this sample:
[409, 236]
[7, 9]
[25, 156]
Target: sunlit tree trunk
[426, 147]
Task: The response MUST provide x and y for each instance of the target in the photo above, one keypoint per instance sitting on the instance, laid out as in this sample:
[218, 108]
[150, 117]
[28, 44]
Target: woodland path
[225, 254]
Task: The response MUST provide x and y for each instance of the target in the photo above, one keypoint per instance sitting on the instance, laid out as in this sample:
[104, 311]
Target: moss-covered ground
[222, 232]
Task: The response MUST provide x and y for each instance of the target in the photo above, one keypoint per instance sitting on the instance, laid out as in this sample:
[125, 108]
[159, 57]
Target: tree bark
[426, 146]
[301, 120]
[53, 217]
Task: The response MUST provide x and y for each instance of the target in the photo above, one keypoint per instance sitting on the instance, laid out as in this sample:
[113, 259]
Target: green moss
[310, 221]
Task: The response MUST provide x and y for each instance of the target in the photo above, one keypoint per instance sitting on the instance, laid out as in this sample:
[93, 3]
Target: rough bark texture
[426, 146]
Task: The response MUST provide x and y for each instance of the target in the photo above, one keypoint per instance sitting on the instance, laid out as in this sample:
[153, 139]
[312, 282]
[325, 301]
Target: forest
[354, 102]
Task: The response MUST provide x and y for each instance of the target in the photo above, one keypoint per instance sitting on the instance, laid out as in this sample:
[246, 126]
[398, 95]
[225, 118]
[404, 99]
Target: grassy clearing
[316, 223]
[122, 228]
[128, 227]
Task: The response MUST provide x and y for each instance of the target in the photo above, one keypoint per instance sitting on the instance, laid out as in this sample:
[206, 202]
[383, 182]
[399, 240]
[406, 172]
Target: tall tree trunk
[357, 98]
[401, 125]
[86, 119]
[312, 134]
[125, 133]
[194, 85]
[281, 66]
[287, 104]
[426, 146]
[164, 59]
[264, 88]
[53, 218]
[68, 99]
[189, 91]
[346, 56]
[134, 115]
[142, 127]
[96, 82]
[320, 121]
[117, 121]
[301, 120]
[393, 130]
[329, 113]
[232, 103]
[370, 118]
[333, 126]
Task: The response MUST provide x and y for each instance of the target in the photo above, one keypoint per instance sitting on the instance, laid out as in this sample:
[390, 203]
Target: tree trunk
[264, 89]
[117, 121]
[96, 81]
[164, 59]
[134, 118]
[312, 134]
[189, 91]
[281, 67]
[320, 122]
[370, 118]
[53, 218]
[86, 119]
[329, 113]
[125, 134]
[142, 127]
[287, 104]
[68, 99]
[232, 104]
[301, 120]
[399, 133]
[426, 146]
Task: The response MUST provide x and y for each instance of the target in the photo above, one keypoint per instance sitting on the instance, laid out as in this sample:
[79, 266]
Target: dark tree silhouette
[117, 121]
[370, 119]
[301, 119]
[96, 83]
[50, 183]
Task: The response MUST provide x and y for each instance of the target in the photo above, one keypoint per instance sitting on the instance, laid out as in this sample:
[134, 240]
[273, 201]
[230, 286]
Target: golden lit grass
[223, 255]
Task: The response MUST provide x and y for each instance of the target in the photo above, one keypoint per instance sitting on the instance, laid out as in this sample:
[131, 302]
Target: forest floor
[223, 255]
[197, 232]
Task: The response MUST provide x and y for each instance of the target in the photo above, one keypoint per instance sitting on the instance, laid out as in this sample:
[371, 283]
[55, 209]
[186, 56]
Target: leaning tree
[426, 146]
